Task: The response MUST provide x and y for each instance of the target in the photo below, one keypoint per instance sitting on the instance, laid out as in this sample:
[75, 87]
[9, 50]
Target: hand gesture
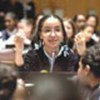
[19, 40]
[80, 44]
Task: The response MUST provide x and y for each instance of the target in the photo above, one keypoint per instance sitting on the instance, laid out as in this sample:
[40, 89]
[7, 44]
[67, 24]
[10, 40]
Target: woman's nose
[53, 33]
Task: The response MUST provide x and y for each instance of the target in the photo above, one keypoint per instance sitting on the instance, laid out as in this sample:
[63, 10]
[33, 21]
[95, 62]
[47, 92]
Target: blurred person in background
[93, 20]
[88, 75]
[25, 30]
[26, 25]
[70, 31]
[79, 21]
[10, 25]
[10, 28]
[84, 39]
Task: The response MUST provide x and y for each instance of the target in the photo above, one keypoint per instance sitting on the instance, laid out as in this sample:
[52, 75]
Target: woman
[84, 40]
[11, 26]
[70, 31]
[93, 20]
[52, 55]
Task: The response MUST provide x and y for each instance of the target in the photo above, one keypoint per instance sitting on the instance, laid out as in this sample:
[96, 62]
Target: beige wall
[69, 7]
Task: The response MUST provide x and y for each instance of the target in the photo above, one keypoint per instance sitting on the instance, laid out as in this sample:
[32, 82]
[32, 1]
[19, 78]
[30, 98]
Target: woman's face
[91, 21]
[27, 29]
[68, 29]
[88, 32]
[51, 33]
[10, 23]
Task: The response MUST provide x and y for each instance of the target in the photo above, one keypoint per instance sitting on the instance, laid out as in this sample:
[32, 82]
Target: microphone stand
[52, 62]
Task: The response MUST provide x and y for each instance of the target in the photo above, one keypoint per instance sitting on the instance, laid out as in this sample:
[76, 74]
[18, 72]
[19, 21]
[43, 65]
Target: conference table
[30, 78]
[7, 56]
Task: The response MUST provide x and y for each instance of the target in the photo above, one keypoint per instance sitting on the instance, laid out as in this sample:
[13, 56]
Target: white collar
[49, 57]
[11, 32]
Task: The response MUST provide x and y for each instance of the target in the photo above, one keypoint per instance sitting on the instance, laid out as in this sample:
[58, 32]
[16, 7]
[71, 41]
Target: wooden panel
[70, 7]
[42, 4]
[94, 5]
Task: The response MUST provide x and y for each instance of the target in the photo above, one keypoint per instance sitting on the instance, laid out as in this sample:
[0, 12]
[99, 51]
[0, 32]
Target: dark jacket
[36, 60]
[5, 35]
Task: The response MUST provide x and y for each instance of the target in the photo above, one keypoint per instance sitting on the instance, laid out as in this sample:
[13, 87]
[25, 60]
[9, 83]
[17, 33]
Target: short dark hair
[8, 81]
[12, 15]
[92, 58]
[36, 37]
[76, 17]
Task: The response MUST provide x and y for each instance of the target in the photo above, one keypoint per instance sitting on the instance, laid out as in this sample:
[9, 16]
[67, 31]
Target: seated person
[24, 29]
[79, 21]
[93, 20]
[53, 54]
[10, 27]
[10, 24]
[70, 31]
[88, 76]
[11, 88]
[85, 39]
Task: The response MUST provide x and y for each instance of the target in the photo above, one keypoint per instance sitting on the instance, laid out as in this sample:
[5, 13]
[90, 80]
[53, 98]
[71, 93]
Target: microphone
[52, 62]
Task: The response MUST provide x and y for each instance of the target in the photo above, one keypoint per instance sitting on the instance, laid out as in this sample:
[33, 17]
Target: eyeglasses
[49, 30]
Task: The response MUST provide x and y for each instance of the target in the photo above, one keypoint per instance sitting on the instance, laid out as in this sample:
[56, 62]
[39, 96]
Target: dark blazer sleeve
[30, 61]
[73, 61]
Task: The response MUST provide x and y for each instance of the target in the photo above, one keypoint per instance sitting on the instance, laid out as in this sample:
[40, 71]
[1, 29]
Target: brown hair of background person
[70, 31]
[89, 73]
[93, 20]
[83, 40]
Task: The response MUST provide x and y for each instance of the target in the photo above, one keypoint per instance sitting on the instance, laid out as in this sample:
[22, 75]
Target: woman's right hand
[19, 40]
[19, 44]
[80, 44]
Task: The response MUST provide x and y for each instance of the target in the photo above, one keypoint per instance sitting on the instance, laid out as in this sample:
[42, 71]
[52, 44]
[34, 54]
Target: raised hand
[80, 44]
